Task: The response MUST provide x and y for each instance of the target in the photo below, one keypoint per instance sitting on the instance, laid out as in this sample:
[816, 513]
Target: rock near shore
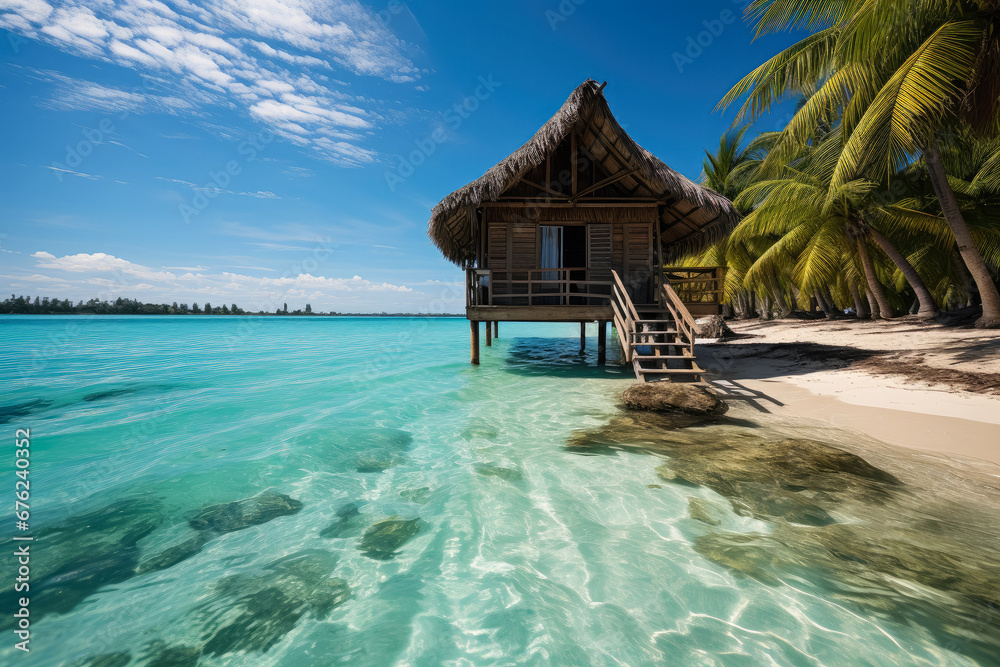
[688, 399]
[713, 326]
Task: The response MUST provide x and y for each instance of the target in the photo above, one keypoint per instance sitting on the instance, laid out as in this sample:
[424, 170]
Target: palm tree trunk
[859, 306]
[830, 301]
[971, 291]
[779, 298]
[874, 287]
[825, 305]
[873, 306]
[970, 255]
[928, 309]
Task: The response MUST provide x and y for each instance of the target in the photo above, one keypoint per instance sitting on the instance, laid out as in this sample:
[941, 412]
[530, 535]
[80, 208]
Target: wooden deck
[538, 313]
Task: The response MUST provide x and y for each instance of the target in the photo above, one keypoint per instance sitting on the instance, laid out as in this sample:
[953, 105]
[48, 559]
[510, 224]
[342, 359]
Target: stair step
[656, 344]
[670, 371]
[664, 357]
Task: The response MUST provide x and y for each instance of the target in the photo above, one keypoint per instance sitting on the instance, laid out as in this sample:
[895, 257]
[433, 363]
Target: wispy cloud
[91, 177]
[298, 172]
[258, 194]
[272, 58]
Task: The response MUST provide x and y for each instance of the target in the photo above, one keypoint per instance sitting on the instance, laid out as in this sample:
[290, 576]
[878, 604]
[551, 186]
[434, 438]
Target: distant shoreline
[45, 305]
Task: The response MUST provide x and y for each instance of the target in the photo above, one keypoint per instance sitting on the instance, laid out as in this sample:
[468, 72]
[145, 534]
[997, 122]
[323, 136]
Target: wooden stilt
[602, 334]
[496, 329]
[489, 333]
[583, 336]
[474, 328]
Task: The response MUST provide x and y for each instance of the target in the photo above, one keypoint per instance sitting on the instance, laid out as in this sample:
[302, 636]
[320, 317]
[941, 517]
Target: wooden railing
[625, 316]
[697, 284]
[669, 300]
[531, 287]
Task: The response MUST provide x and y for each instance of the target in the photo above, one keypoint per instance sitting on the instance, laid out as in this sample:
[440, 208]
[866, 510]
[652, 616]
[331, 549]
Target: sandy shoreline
[906, 383]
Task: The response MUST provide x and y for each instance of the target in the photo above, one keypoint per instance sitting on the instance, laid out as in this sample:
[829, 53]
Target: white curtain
[552, 242]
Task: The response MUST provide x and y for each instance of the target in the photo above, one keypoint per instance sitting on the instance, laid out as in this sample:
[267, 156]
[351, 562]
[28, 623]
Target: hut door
[639, 261]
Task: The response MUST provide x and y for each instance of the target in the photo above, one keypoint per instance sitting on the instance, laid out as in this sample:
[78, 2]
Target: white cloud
[98, 263]
[103, 275]
[258, 54]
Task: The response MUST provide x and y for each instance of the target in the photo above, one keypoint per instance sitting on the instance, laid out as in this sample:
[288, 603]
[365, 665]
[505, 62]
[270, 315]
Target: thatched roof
[696, 214]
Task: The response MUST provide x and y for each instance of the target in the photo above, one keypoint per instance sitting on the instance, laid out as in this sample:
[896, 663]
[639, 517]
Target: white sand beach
[904, 382]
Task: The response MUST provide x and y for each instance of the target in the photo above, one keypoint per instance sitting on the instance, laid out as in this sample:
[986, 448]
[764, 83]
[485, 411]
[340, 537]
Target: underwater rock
[634, 430]
[109, 393]
[11, 412]
[667, 474]
[329, 595]
[760, 501]
[378, 461]
[480, 428]
[240, 514]
[382, 540]
[65, 589]
[174, 656]
[790, 479]
[343, 517]
[896, 572]
[176, 554]
[267, 607]
[420, 496]
[702, 510]
[391, 439]
[504, 473]
[793, 465]
[268, 616]
[83, 553]
[767, 503]
[107, 660]
[689, 399]
[753, 555]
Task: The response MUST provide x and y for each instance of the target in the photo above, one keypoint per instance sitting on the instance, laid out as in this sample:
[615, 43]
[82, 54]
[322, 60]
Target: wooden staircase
[658, 338]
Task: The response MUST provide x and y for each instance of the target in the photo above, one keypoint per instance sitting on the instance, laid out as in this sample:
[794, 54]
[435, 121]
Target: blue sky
[264, 152]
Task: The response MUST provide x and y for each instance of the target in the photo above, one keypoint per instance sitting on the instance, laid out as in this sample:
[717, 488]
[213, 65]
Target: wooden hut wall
[618, 237]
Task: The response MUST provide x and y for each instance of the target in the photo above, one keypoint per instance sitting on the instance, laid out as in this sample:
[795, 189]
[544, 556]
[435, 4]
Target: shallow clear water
[523, 529]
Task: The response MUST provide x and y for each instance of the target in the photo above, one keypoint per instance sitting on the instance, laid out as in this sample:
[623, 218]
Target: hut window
[562, 247]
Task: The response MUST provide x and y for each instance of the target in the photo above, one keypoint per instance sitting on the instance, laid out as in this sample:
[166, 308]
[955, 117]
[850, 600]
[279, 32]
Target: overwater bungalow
[580, 224]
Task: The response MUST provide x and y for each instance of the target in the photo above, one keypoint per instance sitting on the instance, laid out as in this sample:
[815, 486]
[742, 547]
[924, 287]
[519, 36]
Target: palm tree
[900, 73]
[728, 171]
[821, 228]
[725, 171]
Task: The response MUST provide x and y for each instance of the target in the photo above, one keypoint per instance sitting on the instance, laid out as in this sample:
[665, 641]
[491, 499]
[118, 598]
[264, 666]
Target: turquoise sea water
[519, 532]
